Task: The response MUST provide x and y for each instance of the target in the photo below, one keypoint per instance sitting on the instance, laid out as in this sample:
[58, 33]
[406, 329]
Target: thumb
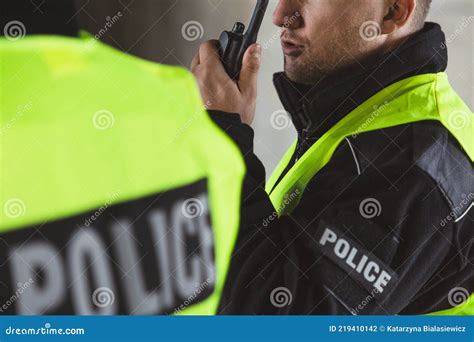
[250, 68]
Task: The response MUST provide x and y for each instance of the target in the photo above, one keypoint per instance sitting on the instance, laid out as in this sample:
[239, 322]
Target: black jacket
[46, 17]
[419, 247]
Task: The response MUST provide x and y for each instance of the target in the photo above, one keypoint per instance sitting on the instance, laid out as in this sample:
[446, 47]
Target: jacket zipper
[302, 140]
[303, 137]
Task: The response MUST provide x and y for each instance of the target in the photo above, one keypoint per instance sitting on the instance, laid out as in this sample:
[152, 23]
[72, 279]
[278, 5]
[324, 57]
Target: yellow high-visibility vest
[118, 194]
[419, 98]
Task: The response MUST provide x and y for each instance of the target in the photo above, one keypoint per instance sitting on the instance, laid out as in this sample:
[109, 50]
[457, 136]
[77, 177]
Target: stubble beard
[340, 52]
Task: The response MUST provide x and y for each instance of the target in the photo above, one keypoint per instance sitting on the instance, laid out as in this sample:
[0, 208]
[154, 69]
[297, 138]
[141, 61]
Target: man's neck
[333, 97]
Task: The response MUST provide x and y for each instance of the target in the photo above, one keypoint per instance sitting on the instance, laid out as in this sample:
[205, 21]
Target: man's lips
[291, 48]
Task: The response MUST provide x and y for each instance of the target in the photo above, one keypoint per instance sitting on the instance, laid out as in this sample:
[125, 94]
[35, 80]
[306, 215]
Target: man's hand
[218, 90]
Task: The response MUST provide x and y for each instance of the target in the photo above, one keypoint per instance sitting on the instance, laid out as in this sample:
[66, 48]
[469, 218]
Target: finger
[250, 69]
[211, 61]
[208, 52]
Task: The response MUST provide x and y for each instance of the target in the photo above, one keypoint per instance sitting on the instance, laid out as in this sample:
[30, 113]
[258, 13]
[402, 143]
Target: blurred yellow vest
[89, 134]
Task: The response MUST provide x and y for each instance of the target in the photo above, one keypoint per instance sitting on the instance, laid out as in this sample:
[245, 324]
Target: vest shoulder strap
[419, 98]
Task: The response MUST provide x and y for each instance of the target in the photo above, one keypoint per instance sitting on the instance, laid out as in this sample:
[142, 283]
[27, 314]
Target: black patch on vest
[439, 154]
[170, 234]
[354, 259]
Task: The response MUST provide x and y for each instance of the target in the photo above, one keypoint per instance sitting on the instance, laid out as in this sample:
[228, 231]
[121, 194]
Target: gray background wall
[152, 29]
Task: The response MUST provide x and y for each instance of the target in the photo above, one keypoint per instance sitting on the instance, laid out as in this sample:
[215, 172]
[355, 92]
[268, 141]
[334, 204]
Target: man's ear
[398, 14]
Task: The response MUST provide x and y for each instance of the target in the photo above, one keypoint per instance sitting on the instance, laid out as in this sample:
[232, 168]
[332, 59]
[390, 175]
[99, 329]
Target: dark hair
[40, 17]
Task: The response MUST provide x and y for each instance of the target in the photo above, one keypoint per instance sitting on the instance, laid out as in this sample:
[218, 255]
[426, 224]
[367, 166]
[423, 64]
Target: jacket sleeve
[255, 202]
[365, 246]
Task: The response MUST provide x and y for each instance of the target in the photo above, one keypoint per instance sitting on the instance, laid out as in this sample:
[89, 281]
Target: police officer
[118, 193]
[370, 211]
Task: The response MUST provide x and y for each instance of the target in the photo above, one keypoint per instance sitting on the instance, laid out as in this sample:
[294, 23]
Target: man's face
[322, 36]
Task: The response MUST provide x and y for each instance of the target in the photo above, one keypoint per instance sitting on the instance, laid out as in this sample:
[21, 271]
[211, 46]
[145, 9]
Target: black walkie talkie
[234, 44]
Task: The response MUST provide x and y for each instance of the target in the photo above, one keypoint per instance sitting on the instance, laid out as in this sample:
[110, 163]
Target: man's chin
[291, 76]
[292, 69]
[301, 73]
[297, 75]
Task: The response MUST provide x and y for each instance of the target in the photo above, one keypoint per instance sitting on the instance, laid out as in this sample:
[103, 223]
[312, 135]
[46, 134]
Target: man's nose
[287, 14]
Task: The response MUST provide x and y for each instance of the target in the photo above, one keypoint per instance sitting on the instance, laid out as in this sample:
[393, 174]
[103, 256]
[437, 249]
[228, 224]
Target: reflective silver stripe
[465, 213]
[355, 157]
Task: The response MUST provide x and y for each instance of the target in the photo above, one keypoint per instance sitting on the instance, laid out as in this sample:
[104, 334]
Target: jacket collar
[315, 109]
